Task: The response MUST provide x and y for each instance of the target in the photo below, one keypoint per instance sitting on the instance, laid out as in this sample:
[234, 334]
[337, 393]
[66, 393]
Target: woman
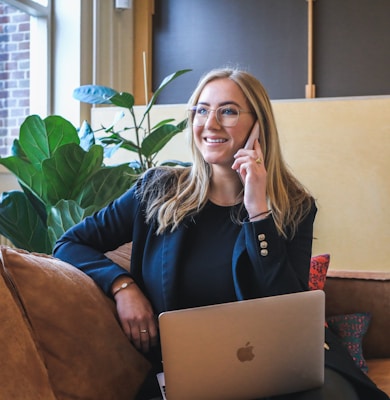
[235, 225]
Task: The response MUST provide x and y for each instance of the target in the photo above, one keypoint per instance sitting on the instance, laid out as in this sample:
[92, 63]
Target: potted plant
[148, 140]
[61, 170]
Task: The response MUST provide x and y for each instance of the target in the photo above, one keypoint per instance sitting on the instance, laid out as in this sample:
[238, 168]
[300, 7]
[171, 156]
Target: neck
[225, 188]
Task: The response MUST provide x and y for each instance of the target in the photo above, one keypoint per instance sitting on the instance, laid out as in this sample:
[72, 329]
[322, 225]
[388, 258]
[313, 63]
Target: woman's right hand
[136, 317]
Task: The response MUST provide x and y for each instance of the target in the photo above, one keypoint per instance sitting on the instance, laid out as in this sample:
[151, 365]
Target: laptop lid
[246, 349]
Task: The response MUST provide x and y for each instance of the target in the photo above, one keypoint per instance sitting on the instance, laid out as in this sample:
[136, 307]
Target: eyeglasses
[227, 116]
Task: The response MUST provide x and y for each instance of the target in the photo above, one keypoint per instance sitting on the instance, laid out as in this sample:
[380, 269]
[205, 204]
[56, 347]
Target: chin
[210, 159]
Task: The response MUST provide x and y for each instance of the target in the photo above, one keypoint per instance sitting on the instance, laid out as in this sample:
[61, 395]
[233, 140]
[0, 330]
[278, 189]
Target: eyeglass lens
[226, 115]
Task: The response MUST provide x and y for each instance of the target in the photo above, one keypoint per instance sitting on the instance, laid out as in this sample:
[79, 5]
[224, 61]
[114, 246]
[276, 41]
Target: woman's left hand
[250, 165]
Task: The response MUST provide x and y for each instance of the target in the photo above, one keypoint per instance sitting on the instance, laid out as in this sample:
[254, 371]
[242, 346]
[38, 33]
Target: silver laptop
[244, 350]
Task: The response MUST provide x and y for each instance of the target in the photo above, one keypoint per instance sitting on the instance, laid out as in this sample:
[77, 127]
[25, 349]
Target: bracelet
[268, 212]
[123, 286]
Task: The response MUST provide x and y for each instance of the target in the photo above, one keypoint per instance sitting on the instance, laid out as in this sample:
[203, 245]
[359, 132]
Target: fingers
[249, 165]
[144, 338]
[137, 318]
[245, 158]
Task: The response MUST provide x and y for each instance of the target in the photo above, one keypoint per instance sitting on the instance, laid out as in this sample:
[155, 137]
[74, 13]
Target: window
[24, 65]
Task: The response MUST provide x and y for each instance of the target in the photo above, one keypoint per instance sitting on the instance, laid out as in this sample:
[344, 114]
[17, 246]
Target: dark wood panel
[269, 39]
[352, 47]
[265, 37]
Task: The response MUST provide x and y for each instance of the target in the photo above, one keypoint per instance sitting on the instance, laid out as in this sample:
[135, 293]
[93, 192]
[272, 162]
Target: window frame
[31, 7]
[40, 53]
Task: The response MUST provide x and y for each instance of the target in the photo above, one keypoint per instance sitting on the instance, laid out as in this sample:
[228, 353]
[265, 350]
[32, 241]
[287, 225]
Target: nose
[211, 121]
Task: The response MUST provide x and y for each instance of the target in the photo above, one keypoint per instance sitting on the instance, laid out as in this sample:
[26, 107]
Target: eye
[228, 111]
[201, 110]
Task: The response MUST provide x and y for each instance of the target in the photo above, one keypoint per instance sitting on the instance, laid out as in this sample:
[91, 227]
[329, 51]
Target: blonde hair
[175, 193]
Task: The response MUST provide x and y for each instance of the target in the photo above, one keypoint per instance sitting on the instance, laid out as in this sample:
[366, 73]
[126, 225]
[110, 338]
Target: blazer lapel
[170, 257]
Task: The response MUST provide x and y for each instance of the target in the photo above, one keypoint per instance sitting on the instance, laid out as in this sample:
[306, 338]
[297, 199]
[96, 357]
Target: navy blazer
[264, 263]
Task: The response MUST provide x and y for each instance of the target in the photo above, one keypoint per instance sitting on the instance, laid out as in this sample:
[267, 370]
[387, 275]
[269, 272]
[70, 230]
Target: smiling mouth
[209, 140]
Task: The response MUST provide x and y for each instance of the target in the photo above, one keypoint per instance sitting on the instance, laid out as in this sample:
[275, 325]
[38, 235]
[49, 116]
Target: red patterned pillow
[351, 329]
[318, 268]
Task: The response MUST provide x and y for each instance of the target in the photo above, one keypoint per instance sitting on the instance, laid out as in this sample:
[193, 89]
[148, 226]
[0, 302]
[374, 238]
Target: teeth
[215, 140]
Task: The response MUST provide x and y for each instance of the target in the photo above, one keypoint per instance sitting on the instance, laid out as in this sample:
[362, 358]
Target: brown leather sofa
[61, 339]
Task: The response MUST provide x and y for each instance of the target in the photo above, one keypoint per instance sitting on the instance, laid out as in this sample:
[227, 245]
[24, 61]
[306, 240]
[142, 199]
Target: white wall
[340, 148]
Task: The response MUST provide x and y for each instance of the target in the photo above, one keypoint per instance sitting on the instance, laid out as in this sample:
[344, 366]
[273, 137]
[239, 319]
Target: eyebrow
[225, 103]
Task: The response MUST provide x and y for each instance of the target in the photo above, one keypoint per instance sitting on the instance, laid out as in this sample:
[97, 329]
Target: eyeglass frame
[193, 109]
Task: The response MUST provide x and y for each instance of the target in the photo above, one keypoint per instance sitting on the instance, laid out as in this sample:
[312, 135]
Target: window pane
[14, 73]
[23, 70]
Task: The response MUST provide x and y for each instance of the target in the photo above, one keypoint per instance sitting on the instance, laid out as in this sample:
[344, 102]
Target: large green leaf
[157, 139]
[114, 142]
[22, 169]
[115, 139]
[69, 170]
[20, 223]
[40, 139]
[27, 175]
[60, 131]
[106, 185]
[123, 99]
[63, 216]
[110, 150]
[164, 122]
[166, 81]
[87, 136]
[36, 202]
[94, 94]
[182, 124]
[61, 182]
[16, 150]
[63, 178]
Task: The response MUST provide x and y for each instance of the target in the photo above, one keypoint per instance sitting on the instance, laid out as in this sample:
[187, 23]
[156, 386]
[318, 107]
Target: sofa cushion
[23, 374]
[319, 265]
[73, 327]
[351, 329]
[121, 255]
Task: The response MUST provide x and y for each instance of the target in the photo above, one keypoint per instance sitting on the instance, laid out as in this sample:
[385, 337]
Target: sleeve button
[264, 252]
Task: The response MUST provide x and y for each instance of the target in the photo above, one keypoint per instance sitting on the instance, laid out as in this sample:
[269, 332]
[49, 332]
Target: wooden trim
[310, 89]
[356, 274]
[143, 19]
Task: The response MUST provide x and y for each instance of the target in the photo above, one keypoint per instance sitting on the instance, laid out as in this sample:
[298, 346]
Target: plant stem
[141, 161]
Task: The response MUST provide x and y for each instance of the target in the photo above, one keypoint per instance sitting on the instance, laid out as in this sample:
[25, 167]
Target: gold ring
[143, 331]
[259, 161]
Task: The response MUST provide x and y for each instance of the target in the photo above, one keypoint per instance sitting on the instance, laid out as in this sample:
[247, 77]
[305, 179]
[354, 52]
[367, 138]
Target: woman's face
[218, 143]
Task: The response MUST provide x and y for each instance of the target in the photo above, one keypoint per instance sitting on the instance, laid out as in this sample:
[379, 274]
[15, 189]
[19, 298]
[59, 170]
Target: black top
[207, 261]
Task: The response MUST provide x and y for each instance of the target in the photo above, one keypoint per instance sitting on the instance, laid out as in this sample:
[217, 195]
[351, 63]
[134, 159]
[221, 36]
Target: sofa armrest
[121, 256]
[358, 291]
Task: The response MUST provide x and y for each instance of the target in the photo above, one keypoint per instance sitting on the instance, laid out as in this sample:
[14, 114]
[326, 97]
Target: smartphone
[253, 135]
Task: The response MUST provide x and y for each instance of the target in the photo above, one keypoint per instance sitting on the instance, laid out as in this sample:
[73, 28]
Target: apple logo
[245, 353]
